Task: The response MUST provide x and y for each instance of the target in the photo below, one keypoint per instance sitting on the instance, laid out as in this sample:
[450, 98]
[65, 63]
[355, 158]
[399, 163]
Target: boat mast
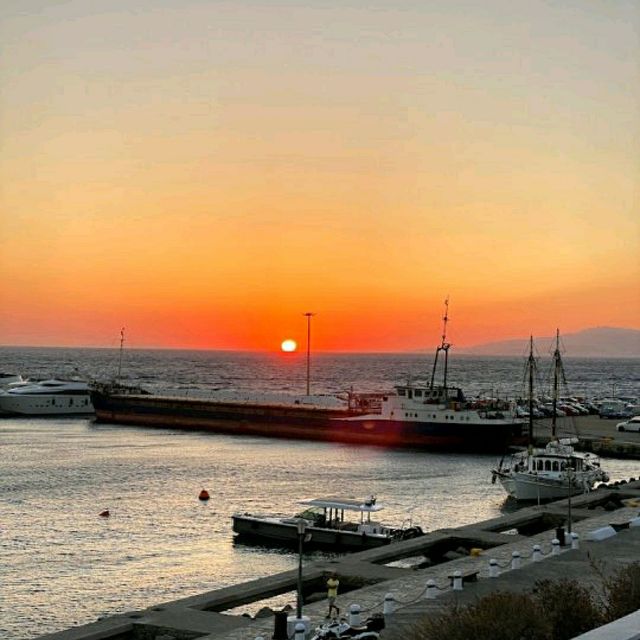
[120, 359]
[531, 365]
[444, 346]
[558, 375]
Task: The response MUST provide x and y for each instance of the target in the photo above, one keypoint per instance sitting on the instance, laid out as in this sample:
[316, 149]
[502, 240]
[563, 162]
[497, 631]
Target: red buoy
[105, 513]
[204, 495]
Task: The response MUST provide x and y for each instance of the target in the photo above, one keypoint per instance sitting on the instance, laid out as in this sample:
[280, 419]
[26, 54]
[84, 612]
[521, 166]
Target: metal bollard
[389, 605]
[301, 631]
[494, 570]
[280, 625]
[575, 541]
[457, 581]
[555, 547]
[515, 560]
[354, 615]
[537, 553]
[431, 589]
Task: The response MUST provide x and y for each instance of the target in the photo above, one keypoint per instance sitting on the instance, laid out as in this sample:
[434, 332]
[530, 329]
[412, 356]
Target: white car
[632, 424]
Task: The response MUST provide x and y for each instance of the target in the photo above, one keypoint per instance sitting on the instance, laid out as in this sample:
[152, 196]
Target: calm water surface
[64, 565]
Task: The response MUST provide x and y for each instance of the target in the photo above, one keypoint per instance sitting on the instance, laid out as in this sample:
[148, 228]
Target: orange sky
[203, 173]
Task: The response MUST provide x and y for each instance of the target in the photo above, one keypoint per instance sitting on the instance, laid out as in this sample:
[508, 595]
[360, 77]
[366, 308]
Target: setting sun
[289, 346]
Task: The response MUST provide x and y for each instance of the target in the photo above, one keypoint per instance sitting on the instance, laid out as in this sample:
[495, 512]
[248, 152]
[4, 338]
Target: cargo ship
[412, 416]
[425, 416]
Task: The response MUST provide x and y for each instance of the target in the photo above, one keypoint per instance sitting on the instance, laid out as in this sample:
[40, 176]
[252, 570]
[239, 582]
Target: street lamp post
[309, 315]
[301, 534]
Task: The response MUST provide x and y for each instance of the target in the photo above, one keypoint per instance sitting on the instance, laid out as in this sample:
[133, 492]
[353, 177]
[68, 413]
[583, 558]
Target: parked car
[612, 409]
[632, 424]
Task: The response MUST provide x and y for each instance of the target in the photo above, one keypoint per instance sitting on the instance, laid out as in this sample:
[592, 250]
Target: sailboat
[557, 470]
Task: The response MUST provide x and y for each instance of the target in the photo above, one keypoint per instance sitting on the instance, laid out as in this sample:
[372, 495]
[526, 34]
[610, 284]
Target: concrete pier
[202, 616]
[595, 434]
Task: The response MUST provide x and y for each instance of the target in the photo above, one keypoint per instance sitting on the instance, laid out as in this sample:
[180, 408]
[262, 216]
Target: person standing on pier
[332, 593]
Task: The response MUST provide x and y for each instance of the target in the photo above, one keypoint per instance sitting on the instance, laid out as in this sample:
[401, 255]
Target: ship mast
[531, 366]
[120, 358]
[444, 346]
[558, 371]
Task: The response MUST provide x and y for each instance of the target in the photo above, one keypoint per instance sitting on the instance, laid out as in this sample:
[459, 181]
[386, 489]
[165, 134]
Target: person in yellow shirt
[332, 593]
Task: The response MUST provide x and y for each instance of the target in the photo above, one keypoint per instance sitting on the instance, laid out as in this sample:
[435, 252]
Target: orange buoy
[105, 513]
[204, 495]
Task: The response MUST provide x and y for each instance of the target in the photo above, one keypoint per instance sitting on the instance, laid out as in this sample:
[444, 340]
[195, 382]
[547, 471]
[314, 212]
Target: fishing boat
[325, 526]
[439, 416]
[557, 470]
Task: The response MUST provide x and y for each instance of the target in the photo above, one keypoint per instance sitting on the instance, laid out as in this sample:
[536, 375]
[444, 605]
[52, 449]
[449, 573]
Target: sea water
[61, 564]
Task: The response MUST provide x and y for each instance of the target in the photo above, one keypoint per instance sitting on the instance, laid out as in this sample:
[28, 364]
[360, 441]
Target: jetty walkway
[376, 575]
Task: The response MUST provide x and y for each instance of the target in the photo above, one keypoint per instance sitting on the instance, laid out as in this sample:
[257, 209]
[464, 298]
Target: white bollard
[354, 615]
[431, 589]
[259, 638]
[293, 622]
[601, 534]
[301, 631]
[494, 570]
[457, 581]
[389, 605]
[537, 553]
[515, 560]
[555, 547]
[575, 541]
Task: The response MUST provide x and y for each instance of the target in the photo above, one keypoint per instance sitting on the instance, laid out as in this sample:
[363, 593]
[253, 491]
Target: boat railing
[366, 402]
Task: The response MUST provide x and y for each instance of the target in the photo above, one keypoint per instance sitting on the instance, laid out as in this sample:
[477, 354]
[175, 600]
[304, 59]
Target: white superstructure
[47, 397]
[7, 379]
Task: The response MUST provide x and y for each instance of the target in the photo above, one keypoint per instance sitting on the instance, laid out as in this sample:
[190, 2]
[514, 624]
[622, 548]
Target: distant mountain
[599, 342]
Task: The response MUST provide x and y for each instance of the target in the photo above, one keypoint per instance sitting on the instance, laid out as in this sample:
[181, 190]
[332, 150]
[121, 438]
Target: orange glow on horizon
[204, 192]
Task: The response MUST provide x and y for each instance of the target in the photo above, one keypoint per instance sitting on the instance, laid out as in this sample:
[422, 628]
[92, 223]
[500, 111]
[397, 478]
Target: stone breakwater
[519, 544]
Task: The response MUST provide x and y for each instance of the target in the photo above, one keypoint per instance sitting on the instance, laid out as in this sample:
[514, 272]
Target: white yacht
[7, 379]
[45, 398]
[556, 471]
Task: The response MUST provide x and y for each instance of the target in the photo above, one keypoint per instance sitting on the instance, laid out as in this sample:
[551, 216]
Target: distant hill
[599, 342]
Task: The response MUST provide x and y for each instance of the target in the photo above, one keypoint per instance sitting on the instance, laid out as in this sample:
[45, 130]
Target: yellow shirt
[332, 587]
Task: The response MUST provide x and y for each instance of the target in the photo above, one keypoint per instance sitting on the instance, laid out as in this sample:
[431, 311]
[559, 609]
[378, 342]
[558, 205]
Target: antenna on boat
[444, 346]
[120, 358]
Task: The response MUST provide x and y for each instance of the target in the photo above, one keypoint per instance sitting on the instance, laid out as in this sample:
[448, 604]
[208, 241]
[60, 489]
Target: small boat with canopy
[326, 525]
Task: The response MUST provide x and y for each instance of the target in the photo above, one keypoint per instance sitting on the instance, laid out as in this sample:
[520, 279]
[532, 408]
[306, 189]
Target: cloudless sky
[205, 172]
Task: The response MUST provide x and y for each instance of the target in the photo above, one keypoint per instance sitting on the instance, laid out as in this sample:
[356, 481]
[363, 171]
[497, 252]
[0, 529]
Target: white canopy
[348, 504]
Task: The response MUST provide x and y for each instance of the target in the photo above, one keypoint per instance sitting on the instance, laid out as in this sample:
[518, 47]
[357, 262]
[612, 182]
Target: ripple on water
[64, 565]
